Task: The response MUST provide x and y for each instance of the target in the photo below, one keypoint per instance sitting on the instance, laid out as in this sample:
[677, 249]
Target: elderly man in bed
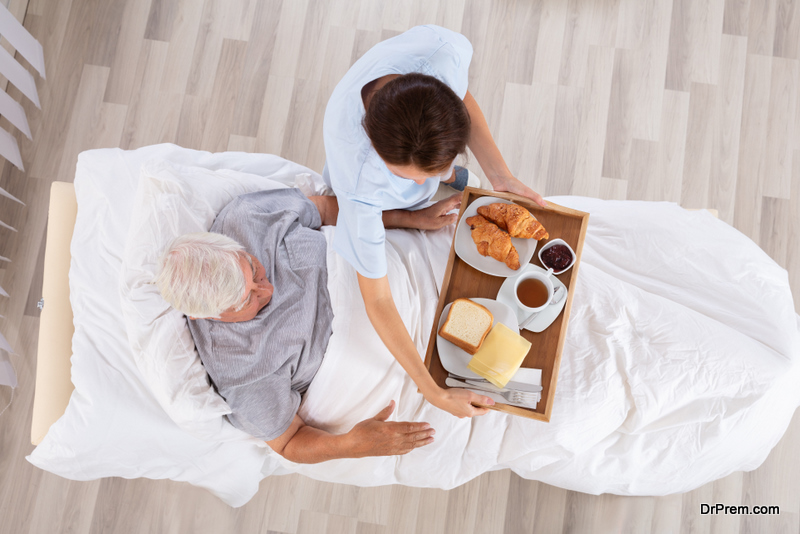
[255, 289]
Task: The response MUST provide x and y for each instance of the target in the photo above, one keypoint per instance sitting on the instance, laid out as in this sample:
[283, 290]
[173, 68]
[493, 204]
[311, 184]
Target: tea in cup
[533, 291]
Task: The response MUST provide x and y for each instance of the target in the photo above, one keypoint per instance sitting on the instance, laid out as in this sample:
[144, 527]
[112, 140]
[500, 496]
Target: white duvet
[680, 365]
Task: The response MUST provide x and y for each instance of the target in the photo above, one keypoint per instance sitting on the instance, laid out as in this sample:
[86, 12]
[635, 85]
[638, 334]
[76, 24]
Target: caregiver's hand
[377, 437]
[459, 402]
[513, 185]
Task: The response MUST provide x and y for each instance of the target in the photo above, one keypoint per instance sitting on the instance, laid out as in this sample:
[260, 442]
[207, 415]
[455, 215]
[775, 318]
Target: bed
[680, 365]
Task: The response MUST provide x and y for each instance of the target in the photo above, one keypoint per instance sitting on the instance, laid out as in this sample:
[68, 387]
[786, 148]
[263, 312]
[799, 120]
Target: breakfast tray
[462, 280]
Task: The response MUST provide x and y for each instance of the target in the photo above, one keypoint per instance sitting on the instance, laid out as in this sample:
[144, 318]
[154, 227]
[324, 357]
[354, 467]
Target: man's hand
[430, 218]
[513, 185]
[377, 437]
[459, 402]
[304, 444]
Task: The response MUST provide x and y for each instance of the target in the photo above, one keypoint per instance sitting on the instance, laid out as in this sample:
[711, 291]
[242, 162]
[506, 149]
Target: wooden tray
[462, 280]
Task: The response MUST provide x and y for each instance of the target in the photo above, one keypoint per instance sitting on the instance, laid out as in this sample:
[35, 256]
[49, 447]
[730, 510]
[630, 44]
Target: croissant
[492, 241]
[516, 220]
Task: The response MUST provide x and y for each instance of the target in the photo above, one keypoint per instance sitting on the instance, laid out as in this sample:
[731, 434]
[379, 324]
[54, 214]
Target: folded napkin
[500, 355]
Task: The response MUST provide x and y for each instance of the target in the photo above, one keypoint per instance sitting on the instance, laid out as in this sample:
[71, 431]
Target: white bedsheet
[680, 366]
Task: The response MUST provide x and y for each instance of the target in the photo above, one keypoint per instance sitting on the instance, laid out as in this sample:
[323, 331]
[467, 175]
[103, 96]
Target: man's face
[257, 292]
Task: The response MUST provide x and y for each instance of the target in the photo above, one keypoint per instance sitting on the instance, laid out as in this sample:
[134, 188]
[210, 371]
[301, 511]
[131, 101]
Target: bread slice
[467, 325]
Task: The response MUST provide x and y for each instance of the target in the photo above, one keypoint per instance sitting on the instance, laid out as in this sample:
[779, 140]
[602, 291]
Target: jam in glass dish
[557, 257]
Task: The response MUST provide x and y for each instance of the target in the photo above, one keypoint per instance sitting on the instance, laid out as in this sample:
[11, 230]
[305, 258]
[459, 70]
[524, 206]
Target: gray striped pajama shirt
[262, 367]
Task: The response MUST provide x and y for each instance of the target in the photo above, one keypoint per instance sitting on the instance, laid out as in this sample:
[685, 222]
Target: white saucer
[546, 316]
[467, 250]
[455, 359]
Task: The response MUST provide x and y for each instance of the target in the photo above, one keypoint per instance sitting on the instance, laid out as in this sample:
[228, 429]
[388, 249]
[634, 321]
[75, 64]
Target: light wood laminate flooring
[689, 101]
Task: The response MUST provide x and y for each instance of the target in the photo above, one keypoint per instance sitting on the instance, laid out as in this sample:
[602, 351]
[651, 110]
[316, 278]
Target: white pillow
[173, 200]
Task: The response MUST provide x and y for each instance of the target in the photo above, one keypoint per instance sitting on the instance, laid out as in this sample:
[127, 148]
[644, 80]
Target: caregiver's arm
[305, 444]
[430, 218]
[383, 315]
[483, 146]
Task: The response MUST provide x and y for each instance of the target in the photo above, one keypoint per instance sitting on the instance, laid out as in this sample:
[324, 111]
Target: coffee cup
[533, 290]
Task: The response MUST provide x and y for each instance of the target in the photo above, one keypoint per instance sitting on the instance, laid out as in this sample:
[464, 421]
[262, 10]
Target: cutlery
[512, 386]
[520, 386]
[524, 398]
[558, 296]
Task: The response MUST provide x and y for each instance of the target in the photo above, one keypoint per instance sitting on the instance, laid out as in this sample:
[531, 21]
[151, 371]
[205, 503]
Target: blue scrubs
[363, 184]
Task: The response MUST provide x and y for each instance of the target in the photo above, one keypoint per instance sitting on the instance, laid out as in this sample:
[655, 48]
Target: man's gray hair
[200, 274]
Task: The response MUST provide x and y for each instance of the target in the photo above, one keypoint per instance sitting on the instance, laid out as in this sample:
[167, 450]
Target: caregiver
[393, 128]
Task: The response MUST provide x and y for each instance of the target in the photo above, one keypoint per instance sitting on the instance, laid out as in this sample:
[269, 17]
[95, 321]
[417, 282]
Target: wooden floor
[688, 101]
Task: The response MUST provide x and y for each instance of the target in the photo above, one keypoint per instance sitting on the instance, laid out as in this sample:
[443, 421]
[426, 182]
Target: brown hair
[417, 120]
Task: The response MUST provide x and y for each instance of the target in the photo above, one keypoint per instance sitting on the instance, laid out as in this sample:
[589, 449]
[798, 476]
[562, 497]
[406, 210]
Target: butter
[500, 355]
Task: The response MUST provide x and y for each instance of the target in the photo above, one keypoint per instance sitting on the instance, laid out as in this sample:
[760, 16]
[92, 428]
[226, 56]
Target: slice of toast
[467, 325]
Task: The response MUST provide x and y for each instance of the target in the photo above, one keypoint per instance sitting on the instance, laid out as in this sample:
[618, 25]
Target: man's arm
[430, 218]
[304, 444]
[328, 208]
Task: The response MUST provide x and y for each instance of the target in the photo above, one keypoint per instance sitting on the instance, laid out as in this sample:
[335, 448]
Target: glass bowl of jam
[556, 254]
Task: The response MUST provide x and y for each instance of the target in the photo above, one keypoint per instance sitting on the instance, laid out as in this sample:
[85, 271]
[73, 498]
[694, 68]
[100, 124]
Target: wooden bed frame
[53, 383]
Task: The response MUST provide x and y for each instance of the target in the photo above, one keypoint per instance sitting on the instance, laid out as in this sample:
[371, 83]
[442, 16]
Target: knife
[519, 386]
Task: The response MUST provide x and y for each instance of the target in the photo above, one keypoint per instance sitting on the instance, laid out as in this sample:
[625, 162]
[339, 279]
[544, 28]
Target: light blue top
[363, 184]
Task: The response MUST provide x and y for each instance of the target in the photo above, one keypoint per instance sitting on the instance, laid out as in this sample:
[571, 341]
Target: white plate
[546, 316]
[454, 359]
[467, 251]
